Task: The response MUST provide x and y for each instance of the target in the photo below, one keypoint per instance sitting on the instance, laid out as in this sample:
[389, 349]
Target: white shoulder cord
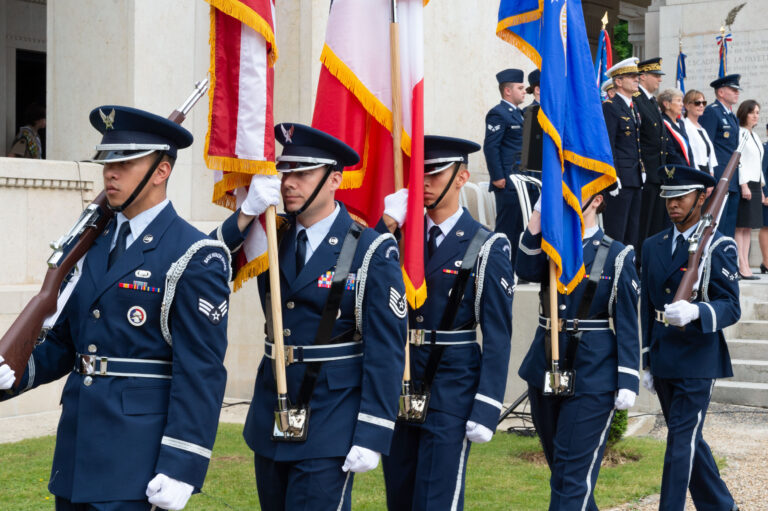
[362, 277]
[708, 267]
[617, 267]
[485, 250]
[174, 274]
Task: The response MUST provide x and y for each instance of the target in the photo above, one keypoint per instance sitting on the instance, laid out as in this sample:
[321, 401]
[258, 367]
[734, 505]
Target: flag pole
[554, 326]
[277, 319]
[397, 156]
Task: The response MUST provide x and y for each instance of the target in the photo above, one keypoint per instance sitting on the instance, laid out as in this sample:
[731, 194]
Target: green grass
[499, 476]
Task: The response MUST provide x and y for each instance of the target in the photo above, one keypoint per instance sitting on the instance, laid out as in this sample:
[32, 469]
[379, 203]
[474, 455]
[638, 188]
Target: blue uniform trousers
[131, 505]
[573, 432]
[316, 484]
[621, 220]
[727, 225]
[684, 403]
[427, 464]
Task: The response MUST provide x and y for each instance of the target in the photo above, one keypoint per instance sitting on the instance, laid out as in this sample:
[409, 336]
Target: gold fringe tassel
[253, 269]
[248, 16]
[416, 296]
[555, 256]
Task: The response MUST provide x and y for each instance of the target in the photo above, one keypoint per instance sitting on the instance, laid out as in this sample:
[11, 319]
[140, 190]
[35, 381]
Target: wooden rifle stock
[19, 341]
[699, 241]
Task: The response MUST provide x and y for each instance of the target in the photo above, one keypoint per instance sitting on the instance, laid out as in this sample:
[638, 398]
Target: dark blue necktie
[301, 249]
[678, 245]
[120, 244]
[434, 232]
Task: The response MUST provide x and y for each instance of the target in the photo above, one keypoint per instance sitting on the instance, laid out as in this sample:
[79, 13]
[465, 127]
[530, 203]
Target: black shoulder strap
[327, 320]
[452, 308]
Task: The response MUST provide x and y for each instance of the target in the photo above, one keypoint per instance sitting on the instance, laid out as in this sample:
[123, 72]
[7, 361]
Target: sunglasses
[699, 103]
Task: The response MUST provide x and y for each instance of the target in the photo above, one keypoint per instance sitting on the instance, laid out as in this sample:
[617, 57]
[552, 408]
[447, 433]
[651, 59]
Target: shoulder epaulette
[636, 94]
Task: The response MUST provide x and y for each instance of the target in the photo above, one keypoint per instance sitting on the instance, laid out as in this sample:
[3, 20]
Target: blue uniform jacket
[653, 136]
[722, 127]
[470, 381]
[698, 351]
[355, 401]
[624, 136]
[115, 434]
[503, 141]
[677, 152]
[605, 361]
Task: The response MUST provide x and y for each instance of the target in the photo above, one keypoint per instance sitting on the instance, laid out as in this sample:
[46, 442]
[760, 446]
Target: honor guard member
[622, 119]
[469, 282]
[600, 342]
[722, 127]
[609, 89]
[502, 147]
[345, 342]
[534, 77]
[653, 141]
[142, 336]
[684, 348]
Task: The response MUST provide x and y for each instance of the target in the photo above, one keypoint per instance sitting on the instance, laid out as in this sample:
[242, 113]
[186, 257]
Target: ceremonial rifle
[702, 236]
[27, 330]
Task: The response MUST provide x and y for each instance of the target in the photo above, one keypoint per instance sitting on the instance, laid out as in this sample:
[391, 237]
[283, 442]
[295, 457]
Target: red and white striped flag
[354, 104]
[240, 140]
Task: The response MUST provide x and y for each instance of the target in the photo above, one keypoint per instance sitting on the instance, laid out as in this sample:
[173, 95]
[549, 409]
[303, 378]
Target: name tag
[514, 127]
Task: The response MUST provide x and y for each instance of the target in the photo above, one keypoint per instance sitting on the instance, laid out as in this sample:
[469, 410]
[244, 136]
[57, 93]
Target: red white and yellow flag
[354, 104]
[240, 140]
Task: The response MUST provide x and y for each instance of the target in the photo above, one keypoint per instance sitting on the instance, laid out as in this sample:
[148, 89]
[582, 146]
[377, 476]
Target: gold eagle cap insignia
[670, 172]
[109, 120]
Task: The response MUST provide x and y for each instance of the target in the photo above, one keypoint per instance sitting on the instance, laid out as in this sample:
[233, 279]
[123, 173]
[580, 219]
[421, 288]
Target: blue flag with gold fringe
[577, 160]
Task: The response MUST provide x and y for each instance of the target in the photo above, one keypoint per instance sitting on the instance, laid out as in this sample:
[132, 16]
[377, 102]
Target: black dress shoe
[763, 269]
[748, 277]
[735, 508]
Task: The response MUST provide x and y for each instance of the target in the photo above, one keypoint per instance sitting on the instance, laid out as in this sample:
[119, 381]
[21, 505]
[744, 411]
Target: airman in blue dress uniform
[356, 391]
[600, 345]
[722, 127]
[622, 120]
[682, 363]
[426, 465]
[502, 148]
[141, 338]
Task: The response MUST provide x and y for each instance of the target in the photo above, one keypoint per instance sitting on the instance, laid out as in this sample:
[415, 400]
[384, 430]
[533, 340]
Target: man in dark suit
[684, 348]
[534, 77]
[622, 121]
[653, 137]
[502, 147]
[141, 338]
[723, 130]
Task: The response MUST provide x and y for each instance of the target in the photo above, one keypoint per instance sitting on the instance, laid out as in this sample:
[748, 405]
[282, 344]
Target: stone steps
[752, 329]
[749, 349]
[741, 392]
[750, 370]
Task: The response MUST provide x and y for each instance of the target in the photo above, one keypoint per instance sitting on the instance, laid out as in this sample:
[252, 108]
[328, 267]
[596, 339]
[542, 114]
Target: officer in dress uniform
[684, 348]
[653, 141]
[142, 399]
[601, 345]
[502, 147]
[534, 78]
[426, 465]
[722, 127]
[622, 119]
[345, 361]
[609, 89]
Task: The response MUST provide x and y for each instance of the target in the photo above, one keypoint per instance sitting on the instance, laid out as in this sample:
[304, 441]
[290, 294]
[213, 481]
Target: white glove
[396, 206]
[625, 399]
[615, 191]
[360, 460]
[642, 174]
[537, 206]
[168, 493]
[477, 433]
[681, 313]
[648, 382]
[7, 375]
[263, 192]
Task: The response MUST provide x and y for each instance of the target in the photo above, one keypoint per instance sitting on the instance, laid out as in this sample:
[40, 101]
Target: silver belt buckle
[416, 336]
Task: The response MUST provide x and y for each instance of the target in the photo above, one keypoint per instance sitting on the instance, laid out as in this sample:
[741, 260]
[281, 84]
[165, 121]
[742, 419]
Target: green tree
[621, 45]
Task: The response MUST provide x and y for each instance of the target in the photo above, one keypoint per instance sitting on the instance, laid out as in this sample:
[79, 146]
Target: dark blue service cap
[129, 133]
[442, 152]
[307, 148]
[651, 66]
[678, 180]
[727, 81]
[510, 75]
